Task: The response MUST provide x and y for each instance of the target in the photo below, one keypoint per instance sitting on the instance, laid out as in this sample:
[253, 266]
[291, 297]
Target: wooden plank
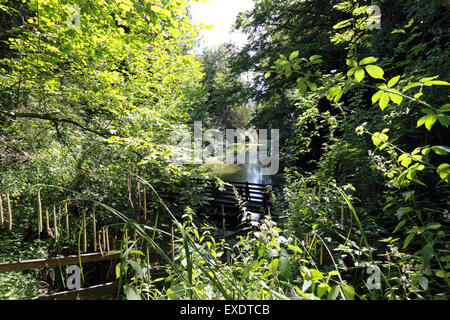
[55, 262]
[99, 292]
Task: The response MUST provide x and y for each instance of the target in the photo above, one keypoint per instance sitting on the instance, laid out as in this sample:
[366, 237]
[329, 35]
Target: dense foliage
[91, 91]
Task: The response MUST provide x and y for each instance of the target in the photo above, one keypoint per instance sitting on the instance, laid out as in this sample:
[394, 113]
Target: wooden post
[9, 210]
[94, 226]
[66, 211]
[2, 219]
[107, 239]
[84, 232]
[47, 220]
[104, 237]
[55, 222]
[40, 226]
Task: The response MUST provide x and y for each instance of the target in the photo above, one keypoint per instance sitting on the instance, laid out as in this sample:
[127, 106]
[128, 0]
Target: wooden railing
[253, 194]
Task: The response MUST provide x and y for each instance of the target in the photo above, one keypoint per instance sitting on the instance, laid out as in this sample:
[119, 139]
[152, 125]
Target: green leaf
[428, 120]
[436, 83]
[441, 150]
[359, 74]
[284, 268]
[445, 108]
[315, 57]
[351, 72]
[351, 63]
[397, 99]
[136, 267]
[322, 288]
[131, 292]
[267, 75]
[410, 86]
[442, 274]
[368, 60]
[349, 291]
[376, 97]
[444, 120]
[393, 81]
[375, 71]
[378, 138]
[384, 100]
[294, 55]
[408, 240]
[444, 171]
[333, 293]
[295, 249]
[423, 281]
[316, 274]
[401, 224]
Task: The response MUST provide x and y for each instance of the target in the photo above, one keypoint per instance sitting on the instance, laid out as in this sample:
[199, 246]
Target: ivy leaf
[375, 71]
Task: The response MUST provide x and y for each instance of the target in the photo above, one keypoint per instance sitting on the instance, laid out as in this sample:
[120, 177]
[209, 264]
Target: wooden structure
[90, 293]
[253, 194]
[55, 262]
